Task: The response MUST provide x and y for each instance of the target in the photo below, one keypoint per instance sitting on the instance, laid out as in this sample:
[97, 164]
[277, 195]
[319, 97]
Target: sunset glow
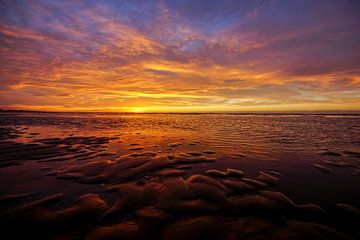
[180, 56]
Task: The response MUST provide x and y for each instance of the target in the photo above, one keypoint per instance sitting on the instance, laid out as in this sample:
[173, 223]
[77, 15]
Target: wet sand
[137, 177]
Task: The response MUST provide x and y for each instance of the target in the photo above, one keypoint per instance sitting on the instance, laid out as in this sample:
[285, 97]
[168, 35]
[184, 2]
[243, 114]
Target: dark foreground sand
[152, 192]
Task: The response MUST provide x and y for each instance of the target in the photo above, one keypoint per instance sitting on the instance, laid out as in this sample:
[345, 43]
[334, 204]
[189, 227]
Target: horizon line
[344, 112]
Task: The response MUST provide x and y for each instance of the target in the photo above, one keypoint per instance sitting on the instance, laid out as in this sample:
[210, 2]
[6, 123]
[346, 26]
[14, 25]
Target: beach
[179, 176]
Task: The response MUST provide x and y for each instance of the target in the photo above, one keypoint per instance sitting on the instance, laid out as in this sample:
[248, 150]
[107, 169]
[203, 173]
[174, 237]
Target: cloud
[168, 55]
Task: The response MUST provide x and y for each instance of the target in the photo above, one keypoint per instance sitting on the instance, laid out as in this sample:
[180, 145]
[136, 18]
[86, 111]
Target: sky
[180, 55]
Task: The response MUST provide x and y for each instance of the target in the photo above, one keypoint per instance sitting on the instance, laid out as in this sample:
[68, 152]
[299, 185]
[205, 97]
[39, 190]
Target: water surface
[311, 158]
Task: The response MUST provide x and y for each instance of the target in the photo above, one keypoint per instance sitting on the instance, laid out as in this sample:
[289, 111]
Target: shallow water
[311, 158]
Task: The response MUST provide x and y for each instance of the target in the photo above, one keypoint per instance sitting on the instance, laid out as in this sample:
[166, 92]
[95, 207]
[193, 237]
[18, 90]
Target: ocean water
[311, 158]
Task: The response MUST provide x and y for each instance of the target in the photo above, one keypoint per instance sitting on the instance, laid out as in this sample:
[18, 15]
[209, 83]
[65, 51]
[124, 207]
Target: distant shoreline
[311, 112]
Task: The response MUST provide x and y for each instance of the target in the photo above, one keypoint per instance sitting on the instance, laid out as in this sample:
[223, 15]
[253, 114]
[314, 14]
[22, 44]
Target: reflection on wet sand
[151, 177]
